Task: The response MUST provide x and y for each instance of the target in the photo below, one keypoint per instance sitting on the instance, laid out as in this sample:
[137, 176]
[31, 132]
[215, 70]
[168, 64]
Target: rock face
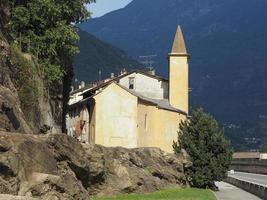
[11, 116]
[47, 112]
[119, 170]
[58, 167]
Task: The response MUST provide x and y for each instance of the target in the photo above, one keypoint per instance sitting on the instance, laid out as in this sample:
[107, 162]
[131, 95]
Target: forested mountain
[227, 41]
[96, 56]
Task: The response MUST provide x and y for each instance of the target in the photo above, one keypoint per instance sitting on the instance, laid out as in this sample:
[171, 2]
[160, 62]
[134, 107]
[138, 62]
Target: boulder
[56, 166]
[119, 170]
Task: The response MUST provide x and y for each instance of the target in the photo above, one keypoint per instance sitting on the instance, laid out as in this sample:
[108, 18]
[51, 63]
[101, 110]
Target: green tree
[45, 29]
[204, 141]
[263, 148]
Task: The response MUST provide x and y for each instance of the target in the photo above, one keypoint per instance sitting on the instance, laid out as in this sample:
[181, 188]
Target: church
[134, 109]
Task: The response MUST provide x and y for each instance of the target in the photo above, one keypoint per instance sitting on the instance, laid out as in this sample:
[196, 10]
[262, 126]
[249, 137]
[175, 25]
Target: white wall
[147, 86]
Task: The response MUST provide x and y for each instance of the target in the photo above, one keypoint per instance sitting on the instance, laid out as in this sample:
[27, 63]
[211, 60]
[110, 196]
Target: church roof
[104, 84]
[178, 46]
[160, 103]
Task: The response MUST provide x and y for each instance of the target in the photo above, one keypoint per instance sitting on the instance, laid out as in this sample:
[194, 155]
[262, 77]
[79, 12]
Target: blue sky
[102, 7]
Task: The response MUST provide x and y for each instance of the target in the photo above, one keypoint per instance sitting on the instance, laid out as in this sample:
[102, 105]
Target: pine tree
[204, 141]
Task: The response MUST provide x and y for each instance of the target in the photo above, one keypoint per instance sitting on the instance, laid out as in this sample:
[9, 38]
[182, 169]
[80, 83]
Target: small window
[131, 83]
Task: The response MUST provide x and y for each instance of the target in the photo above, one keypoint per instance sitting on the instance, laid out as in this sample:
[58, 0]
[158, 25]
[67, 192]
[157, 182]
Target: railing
[256, 189]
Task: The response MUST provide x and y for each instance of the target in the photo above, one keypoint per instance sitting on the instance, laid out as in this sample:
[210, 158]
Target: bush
[204, 141]
[26, 84]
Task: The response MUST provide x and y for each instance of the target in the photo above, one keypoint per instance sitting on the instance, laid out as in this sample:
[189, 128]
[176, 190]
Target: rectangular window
[131, 83]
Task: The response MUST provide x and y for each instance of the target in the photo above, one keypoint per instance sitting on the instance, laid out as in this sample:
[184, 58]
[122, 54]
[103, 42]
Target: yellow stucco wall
[157, 127]
[178, 82]
[123, 120]
[116, 117]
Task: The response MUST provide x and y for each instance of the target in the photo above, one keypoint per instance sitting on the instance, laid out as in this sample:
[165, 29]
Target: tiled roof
[160, 103]
[104, 84]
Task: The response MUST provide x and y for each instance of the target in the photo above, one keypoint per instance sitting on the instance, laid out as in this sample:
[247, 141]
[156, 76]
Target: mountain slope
[96, 55]
[227, 40]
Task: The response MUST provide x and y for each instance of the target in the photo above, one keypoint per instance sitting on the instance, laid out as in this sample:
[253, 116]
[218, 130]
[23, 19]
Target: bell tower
[178, 73]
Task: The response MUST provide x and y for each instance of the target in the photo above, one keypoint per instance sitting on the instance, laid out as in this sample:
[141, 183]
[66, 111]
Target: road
[258, 179]
[230, 192]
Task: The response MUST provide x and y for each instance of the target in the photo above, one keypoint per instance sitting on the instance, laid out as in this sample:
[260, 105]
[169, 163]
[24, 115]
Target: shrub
[26, 84]
[204, 141]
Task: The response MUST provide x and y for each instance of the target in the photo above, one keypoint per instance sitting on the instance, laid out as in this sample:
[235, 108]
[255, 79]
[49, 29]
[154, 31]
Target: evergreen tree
[204, 141]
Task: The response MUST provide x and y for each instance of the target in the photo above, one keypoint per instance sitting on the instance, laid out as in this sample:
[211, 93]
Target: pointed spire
[178, 46]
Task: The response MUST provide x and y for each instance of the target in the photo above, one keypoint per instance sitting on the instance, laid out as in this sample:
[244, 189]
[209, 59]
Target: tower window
[131, 83]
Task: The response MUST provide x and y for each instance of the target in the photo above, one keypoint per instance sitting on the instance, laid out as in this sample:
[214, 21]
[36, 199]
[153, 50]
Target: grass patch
[170, 194]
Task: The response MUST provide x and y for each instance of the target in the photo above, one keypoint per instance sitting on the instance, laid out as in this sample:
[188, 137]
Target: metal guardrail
[254, 188]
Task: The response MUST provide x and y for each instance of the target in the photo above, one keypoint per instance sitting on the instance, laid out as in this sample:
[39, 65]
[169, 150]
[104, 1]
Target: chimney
[152, 71]
[82, 85]
[123, 71]
[112, 75]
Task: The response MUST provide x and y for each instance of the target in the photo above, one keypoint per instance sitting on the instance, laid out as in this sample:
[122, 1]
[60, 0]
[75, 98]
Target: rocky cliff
[11, 116]
[58, 167]
[25, 103]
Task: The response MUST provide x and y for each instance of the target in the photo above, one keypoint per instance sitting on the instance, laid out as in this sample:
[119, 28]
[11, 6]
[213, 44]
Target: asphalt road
[258, 179]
